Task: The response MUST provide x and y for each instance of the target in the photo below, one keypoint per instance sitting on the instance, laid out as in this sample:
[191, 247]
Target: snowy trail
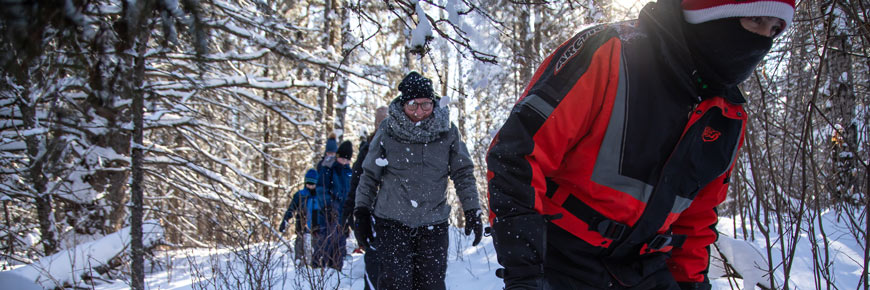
[468, 267]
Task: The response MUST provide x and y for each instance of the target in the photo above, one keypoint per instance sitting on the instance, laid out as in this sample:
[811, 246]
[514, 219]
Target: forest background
[203, 115]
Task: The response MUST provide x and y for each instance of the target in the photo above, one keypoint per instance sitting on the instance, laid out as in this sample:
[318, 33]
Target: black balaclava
[725, 54]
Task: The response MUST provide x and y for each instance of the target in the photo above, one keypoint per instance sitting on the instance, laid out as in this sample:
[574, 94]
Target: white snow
[414, 203]
[16, 282]
[746, 260]
[23, 133]
[452, 13]
[381, 162]
[423, 29]
[67, 266]
[468, 267]
[445, 101]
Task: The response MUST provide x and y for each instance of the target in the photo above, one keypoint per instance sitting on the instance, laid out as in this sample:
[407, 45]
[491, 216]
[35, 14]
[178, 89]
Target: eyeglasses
[412, 106]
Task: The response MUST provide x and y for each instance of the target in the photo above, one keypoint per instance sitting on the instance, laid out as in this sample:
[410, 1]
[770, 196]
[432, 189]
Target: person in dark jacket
[607, 172]
[328, 237]
[328, 153]
[404, 188]
[370, 257]
[298, 210]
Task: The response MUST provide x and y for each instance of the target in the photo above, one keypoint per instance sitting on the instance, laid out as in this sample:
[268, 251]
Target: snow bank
[67, 266]
[12, 281]
[746, 259]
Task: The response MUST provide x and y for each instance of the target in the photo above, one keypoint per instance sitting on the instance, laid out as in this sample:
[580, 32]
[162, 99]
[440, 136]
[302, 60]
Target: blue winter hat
[331, 145]
[311, 176]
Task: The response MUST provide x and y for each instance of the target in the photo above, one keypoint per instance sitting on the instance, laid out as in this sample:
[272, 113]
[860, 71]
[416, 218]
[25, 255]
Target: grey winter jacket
[405, 173]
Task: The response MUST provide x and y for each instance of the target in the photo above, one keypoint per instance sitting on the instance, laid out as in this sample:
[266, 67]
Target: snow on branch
[68, 267]
[285, 48]
[211, 175]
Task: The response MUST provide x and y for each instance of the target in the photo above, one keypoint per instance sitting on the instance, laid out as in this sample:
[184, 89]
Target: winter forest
[161, 140]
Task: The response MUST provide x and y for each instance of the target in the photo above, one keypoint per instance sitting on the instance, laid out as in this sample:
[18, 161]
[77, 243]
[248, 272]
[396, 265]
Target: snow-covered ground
[272, 266]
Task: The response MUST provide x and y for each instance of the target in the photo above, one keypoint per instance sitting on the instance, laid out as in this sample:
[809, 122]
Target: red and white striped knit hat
[699, 11]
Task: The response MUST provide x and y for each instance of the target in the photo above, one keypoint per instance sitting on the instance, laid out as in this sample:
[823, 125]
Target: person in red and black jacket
[608, 170]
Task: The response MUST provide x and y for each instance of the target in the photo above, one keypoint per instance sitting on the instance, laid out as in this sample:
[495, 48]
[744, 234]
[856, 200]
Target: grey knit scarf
[399, 126]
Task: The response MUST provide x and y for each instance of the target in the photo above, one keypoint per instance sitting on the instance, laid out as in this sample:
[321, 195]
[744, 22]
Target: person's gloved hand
[472, 222]
[695, 286]
[283, 226]
[363, 226]
[519, 243]
[521, 281]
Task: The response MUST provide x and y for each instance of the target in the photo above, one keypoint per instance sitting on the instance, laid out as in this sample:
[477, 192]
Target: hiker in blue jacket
[327, 230]
[298, 210]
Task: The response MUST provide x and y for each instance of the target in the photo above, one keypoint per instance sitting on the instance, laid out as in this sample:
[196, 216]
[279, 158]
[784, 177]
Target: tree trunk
[526, 55]
[10, 246]
[325, 94]
[344, 39]
[136, 215]
[845, 139]
[36, 175]
[131, 88]
[267, 131]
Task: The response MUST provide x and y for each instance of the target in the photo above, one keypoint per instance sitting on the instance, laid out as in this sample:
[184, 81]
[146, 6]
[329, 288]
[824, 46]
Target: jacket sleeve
[690, 263]
[370, 179]
[288, 214]
[294, 205]
[324, 182]
[557, 110]
[354, 180]
[462, 172]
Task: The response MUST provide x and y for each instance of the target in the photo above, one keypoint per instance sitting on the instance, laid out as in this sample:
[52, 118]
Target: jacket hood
[399, 126]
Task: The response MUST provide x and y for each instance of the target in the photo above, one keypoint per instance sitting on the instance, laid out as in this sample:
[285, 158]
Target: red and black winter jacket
[612, 142]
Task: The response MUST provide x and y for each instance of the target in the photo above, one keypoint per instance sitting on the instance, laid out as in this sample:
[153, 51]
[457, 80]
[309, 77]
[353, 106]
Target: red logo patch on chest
[710, 134]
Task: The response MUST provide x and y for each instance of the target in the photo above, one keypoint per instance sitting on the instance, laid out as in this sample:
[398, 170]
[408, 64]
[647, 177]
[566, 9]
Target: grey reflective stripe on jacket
[412, 186]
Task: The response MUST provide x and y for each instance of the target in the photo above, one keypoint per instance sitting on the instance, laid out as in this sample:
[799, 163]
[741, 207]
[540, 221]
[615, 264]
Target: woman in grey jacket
[404, 188]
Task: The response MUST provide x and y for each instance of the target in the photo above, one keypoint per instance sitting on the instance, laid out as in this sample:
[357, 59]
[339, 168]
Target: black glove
[283, 225]
[363, 226]
[472, 222]
[519, 243]
[347, 220]
[695, 286]
[534, 282]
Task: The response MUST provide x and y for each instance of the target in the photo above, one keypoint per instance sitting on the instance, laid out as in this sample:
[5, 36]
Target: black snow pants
[411, 258]
[371, 260]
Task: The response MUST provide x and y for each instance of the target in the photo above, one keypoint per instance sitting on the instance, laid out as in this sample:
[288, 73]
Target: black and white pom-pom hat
[699, 11]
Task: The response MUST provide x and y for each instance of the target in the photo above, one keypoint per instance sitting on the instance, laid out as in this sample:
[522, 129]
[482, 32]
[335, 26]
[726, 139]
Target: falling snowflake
[414, 203]
[381, 162]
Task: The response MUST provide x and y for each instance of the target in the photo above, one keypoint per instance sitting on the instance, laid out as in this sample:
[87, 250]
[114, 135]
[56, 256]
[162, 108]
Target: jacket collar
[399, 126]
[663, 21]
